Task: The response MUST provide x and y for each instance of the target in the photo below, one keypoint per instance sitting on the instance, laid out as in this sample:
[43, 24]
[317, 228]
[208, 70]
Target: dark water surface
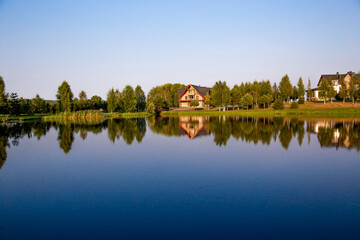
[181, 178]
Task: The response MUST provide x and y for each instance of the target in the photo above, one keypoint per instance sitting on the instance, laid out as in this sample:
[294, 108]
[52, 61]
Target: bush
[150, 108]
[278, 104]
[294, 105]
[194, 103]
[301, 100]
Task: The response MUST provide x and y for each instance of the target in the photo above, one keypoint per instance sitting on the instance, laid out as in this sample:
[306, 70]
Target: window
[185, 97]
[197, 97]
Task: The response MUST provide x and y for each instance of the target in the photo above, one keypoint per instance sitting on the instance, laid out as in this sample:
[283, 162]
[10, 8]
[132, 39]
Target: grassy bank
[303, 112]
[89, 114]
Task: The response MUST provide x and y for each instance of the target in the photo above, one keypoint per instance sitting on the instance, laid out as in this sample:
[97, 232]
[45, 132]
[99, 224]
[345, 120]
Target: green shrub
[150, 108]
[301, 100]
[278, 104]
[294, 105]
[194, 103]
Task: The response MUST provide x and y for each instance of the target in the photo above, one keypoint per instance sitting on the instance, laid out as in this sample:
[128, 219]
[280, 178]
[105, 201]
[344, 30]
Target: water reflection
[337, 133]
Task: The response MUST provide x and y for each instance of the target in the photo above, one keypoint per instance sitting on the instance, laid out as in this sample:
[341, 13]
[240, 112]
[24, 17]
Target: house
[193, 126]
[193, 92]
[335, 79]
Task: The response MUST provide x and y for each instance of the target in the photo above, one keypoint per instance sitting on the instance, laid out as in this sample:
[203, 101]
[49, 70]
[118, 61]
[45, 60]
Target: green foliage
[165, 96]
[220, 94]
[208, 99]
[3, 96]
[301, 100]
[343, 93]
[236, 95]
[301, 88]
[278, 104]
[14, 104]
[194, 103]
[332, 91]
[247, 100]
[294, 105]
[324, 89]
[65, 97]
[285, 88]
[354, 88]
[82, 96]
[309, 91]
[140, 99]
[150, 108]
[255, 91]
[38, 105]
[129, 99]
[275, 90]
[111, 101]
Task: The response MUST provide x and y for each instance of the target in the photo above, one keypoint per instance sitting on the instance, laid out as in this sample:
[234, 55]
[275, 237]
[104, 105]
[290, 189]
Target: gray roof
[202, 90]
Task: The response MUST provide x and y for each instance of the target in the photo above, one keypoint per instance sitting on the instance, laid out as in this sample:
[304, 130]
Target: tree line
[246, 95]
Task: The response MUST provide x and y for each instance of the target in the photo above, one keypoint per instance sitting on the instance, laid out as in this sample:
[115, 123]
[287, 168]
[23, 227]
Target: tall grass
[76, 115]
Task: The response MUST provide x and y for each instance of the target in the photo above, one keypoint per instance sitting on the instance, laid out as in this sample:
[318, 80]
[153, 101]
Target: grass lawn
[308, 109]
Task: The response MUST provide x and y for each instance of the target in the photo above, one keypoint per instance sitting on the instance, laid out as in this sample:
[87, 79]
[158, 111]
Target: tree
[295, 93]
[278, 104]
[129, 99]
[255, 91]
[65, 97]
[275, 90]
[194, 103]
[343, 93]
[263, 100]
[301, 88]
[324, 89]
[220, 94]
[111, 100]
[309, 91]
[14, 104]
[285, 88]
[82, 95]
[332, 91]
[235, 95]
[353, 89]
[208, 99]
[247, 100]
[38, 104]
[3, 96]
[140, 99]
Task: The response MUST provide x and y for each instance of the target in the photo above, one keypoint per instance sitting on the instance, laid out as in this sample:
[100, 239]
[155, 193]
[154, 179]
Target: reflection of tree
[127, 128]
[66, 137]
[4, 143]
[168, 126]
[285, 135]
[129, 131]
[141, 129]
[221, 129]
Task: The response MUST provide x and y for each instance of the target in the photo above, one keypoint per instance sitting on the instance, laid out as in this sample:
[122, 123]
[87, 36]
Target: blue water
[171, 187]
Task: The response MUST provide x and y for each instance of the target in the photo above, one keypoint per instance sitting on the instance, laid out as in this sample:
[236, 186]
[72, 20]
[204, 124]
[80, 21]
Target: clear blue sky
[96, 45]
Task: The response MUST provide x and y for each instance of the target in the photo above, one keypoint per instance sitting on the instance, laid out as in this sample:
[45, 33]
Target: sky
[97, 45]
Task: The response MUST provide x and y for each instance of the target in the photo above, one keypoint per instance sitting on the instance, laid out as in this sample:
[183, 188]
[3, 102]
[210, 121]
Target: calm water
[181, 178]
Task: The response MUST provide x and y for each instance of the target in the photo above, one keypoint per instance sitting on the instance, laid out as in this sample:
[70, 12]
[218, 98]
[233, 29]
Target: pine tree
[309, 91]
[301, 88]
[285, 88]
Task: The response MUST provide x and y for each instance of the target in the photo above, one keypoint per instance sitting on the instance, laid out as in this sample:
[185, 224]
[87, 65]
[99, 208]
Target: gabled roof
[202, 90]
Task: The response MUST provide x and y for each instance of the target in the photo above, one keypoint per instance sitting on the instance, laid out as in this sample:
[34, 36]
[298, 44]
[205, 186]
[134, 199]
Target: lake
[181, 178]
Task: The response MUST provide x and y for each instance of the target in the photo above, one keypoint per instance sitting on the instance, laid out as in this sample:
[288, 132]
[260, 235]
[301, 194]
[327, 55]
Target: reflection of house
[193, 126]
[193, 92]
[335, 80]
